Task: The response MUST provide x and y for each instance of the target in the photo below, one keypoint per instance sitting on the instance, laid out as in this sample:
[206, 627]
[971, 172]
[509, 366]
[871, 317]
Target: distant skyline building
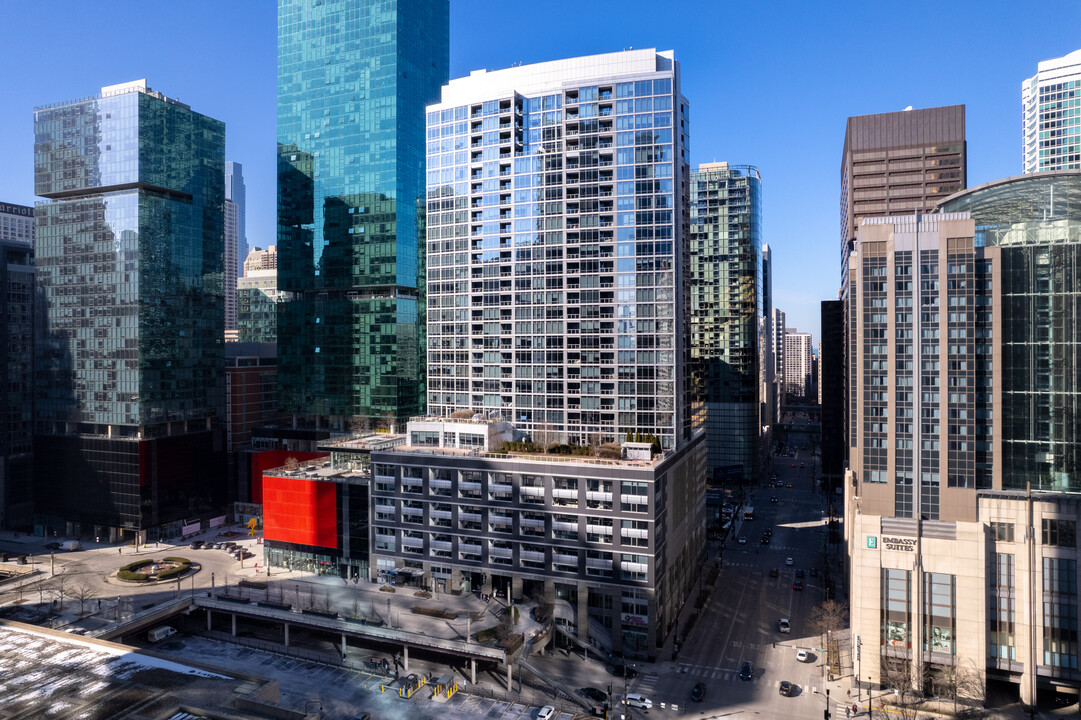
[1051, 115]
[557, 256]
[779, 332]
[832, 391]
[354, 79]
[16, 366]
[798, 365]
[129, 362]
[257, 304]
[725, 314]
[768, 374]
[236, 246]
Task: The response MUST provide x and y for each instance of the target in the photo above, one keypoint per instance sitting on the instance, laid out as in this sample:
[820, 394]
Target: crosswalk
[647, 683]
[713, 673]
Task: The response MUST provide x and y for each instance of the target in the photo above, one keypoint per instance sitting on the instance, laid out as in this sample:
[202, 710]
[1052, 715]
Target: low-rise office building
[613, 544]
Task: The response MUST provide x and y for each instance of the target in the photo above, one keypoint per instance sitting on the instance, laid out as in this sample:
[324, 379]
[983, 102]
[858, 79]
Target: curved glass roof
[1036, 208]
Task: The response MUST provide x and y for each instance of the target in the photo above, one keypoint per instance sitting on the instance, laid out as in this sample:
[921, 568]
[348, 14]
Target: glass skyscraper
[726, 302]
[129, 255]
[354, 77]
[557, 248]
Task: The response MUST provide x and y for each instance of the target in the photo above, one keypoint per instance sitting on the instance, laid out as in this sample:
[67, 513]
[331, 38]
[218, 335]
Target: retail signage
[216, 522]
[872, 542]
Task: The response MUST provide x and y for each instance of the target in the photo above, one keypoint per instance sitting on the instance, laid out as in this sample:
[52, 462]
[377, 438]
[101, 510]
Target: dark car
[746, 672]
[594, 694]
[52, 546]
[764, 540]
[788, 485]
[799, 572]
[773, 572]
[698, 692]
[196, 544]
[798, 585]
[773, 498]
[814, 572]
[786, 688]
[624, 671]
[767, 532]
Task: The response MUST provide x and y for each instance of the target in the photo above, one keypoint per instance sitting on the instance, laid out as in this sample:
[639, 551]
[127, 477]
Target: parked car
[699, 692]
[774, 572]
[546, 713]
[746, 672]
[789, 562]
[786, 688]
[52, 546]
[196, 544]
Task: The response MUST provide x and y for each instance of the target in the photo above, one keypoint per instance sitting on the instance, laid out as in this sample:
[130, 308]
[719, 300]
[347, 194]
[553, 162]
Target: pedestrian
[848, 712]
[120, 551]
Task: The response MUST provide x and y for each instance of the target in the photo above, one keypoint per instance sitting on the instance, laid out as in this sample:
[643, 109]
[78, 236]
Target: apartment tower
[557, 248]
[726, 311]
[1051, 115]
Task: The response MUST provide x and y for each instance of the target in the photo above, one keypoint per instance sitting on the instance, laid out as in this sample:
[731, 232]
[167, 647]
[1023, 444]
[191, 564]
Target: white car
[742, 540]
[639, 701]
[546, 713]
[802, 656]
[789, 562]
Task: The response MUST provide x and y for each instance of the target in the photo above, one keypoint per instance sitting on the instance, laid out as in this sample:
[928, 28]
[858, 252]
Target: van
[639, 701]
[160, 633]
[71, 545]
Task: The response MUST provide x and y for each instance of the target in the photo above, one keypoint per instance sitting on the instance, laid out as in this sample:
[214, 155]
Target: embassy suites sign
[897, 543]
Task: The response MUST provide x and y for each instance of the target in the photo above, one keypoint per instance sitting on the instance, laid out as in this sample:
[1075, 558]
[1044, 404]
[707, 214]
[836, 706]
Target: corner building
[557, 248]
[130, 388]
[354, 77]
[964, 490]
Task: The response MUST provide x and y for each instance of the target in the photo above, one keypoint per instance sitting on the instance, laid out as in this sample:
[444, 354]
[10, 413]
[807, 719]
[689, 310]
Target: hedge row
[132, 576]
[138, 563]
[182, 561]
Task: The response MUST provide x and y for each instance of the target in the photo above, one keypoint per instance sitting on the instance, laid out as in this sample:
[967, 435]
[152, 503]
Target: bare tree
[829, 616]
[962, 680]
[897, 673]
[360, 424]
[43, 586]
[61, 586]
[83, 592]
[291, 463]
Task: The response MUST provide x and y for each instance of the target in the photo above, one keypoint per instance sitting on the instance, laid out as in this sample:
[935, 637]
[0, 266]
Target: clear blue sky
[769, 83]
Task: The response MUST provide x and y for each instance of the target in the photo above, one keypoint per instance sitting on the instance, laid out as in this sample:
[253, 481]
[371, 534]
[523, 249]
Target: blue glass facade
[726, 302]
[130, 264]
[354, 78]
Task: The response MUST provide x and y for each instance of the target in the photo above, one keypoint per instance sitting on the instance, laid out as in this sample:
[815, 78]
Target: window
[1060, 533]
[938, 607]
[1002, 531]
[896, 613]
[1060, 576]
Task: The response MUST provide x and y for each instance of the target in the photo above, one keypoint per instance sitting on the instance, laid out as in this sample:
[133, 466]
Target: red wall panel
[302, 511]
[270, 459]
